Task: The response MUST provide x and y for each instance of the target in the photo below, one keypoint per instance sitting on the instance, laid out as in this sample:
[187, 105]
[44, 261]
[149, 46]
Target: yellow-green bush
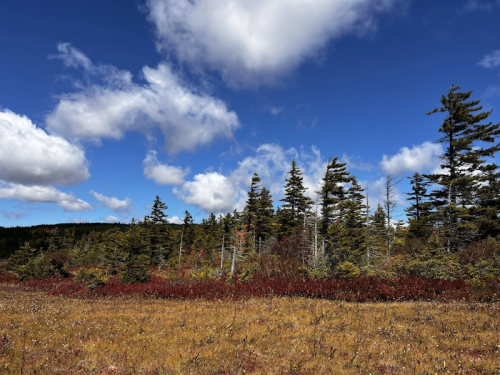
[347, 270]
[91, 277]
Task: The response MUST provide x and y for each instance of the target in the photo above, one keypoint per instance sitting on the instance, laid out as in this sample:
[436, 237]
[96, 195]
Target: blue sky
[104, 105]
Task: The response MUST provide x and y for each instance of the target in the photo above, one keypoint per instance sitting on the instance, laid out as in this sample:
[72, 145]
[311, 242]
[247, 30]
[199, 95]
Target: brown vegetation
[52, 335]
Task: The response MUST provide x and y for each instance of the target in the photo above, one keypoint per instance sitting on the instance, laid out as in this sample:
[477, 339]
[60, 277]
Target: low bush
[91, 277]
[134, 273]
[362, 289]
[347, 270]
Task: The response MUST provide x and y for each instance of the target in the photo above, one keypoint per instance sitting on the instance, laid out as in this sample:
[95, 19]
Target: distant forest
[41, 236]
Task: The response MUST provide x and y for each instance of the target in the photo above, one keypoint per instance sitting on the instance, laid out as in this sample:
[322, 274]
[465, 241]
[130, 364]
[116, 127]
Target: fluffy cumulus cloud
[162, 174]
[212, 192]
[111, 103]
[254, 42]
[42, 194]
[115, 204]
[491, 60]
[416, 159]
[28, 155]
[219, 193]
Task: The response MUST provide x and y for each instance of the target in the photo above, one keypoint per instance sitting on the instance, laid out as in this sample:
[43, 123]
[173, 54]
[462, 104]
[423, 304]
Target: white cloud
[42, 194]
[78, 221]
[111, 219]
[118, 206]
[71, 56]
[115, 105]
[162, 174]
[218, 193]
[259, 41]
[212, 192]
[28, 155]
[175, 220]
[491, 60]
[13, 214]
[419, 158]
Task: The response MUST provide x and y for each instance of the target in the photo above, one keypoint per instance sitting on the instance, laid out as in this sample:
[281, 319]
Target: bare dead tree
[390, 204]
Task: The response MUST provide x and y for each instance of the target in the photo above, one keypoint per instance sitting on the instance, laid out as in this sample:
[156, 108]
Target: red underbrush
[362, 289]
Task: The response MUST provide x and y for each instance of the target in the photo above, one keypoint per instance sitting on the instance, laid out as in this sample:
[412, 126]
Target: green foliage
[296, 204]
[204, 273]
[483, 270]
[318, 273]
[347, 270]
[91, 277]
[36, 268]
[445, 268]
[135, 273]
[246, 271]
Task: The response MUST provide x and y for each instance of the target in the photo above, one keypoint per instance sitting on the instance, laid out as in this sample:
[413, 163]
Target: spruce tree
[156, 223]
[296, 203]
[252, 201]
[355, 222]
[264, 217]
[465, 139]
[333, 193]
[420, 211]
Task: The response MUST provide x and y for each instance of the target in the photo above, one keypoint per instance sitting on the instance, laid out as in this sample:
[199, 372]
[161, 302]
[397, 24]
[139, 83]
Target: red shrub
[363, 289]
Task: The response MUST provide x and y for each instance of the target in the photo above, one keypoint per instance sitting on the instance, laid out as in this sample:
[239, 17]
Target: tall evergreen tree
[296, 203]
[264, 217]
[465, 139]
[420, 211]
[156, 223]
[355, 222]
[252, 201]
[334, 193]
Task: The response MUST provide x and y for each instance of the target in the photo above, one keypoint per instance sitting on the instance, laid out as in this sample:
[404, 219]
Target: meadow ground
[51, 335]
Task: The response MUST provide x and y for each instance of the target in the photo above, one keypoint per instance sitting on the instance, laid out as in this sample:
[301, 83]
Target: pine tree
[333, 193]
[464, 137]
[296, 203]
[156, 223]
[355, 222]
[378, 222]
[252, 201]
[420, 211]
[264, 217]
[488, 202]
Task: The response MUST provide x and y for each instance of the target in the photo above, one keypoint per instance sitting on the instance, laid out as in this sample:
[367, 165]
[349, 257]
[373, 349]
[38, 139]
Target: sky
[106, 104]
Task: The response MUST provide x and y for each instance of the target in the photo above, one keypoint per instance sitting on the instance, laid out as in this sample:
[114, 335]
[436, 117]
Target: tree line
[450, 210]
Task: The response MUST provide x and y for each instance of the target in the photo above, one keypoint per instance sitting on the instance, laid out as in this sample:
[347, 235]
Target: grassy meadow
[42, 334]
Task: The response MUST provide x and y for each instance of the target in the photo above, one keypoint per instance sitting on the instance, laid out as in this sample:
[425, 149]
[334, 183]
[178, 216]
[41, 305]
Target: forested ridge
[452, 231]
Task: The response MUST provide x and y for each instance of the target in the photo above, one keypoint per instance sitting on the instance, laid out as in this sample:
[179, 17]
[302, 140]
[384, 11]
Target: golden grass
[50, 335]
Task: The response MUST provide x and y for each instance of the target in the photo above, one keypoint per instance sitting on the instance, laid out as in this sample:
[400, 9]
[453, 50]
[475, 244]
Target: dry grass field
[42, 334]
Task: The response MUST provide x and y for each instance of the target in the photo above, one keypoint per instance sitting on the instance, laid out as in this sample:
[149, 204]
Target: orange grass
[51, 335]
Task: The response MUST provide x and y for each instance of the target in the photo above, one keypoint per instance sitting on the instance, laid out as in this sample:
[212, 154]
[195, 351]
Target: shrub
[58, 260]
[482, 270]
[36, 268]
[134, 273]
[318, 273]
[444, 268]
[91, 277]
[347, 270]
